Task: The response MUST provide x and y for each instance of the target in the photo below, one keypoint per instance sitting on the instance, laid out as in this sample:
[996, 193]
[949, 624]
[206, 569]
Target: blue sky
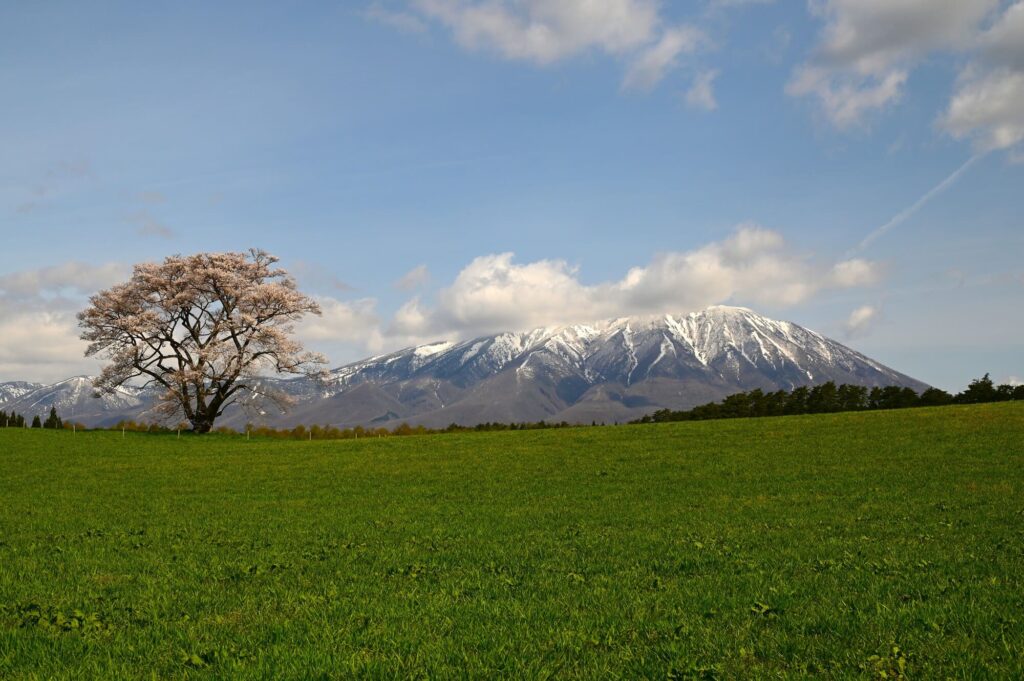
[634, 156]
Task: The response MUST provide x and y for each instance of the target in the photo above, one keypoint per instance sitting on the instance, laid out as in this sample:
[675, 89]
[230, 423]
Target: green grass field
[853, 545]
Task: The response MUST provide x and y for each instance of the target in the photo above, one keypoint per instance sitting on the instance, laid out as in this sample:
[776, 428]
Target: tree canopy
[203, 328]
[828, 397]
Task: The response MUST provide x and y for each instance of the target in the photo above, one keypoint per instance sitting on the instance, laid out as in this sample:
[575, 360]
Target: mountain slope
[76, 399]
[608, 371]
[12, 390]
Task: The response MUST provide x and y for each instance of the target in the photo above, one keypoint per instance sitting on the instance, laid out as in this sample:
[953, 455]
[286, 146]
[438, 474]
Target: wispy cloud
[634, 32]
[146, 224]
[861, 320]
[403, 21]
[54, 180]
[650, 66]
[318, 277]
[414, 278]
[701, 94]
[153, 198]
[909, 212]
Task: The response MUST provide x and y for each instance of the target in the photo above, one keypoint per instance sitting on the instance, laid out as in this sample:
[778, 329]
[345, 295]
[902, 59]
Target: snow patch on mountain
[12, 390]
[606, 371]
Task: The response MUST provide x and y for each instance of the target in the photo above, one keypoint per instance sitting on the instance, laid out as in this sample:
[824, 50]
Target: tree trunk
[201, 426]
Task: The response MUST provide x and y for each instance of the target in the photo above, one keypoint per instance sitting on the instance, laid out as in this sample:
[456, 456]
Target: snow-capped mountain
[12, 390]
[76, 399]
[607, 371]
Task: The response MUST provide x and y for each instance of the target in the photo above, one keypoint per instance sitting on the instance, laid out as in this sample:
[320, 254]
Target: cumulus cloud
[854, 272]
[38, 324]
[1003, 43]
[542, 32]
[861, 320]
[753, 265]
[37, 319]
[41, 346]
[349, 330]
[867, 48]
[989, 109]
[869, 36]
[988, 104]
[342, 324]
[701, 94]
[413, 279]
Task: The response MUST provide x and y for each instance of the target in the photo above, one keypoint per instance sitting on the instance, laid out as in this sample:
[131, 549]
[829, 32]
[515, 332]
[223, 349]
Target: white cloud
[543, 32]
[854, 272]
[39, 329]
[79, 277]
[740, 3]
[341, 324]
[1013, 380]
[701, 94]
[414, 278]
[754, 265]
[870, 36]
[41, 346]
[37, 319]
[405, 22]
[492, 293]
[845, 99]
[988, 108]
[1003, 43]
[988, 104]
[868, 47]
[651, 65]
[861, 320]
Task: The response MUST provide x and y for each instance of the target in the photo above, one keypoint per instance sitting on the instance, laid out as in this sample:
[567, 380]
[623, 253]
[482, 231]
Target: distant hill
[76, 399]
[15, 389]
[615, 370]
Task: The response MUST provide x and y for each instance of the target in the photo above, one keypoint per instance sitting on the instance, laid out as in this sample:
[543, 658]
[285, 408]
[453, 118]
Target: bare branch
[200, 326]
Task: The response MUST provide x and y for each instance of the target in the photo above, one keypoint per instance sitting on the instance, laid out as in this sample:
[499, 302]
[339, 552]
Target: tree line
[15, 420]
[316, 432]
[820, 399]
[830, 398]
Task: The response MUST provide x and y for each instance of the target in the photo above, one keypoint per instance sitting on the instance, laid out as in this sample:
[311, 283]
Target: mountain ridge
[611, 370]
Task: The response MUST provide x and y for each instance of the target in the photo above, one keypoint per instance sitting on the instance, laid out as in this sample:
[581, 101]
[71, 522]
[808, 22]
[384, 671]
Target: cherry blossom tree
[203, 329]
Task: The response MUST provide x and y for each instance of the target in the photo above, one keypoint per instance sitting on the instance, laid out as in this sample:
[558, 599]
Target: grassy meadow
[861, 545]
